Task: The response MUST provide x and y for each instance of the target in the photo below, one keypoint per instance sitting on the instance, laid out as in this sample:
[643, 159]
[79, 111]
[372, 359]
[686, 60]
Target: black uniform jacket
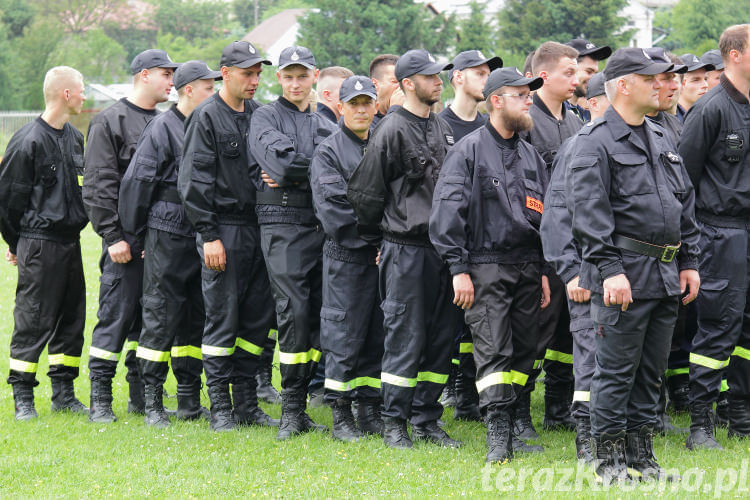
[218, 179]
[671, 124]
[148, 192]
[716, 148]
[332, 166]
[548, 132]
[39, 192]
[110, 144]
[617, 185]
[391, 189]
[488, 202]
[283, 140]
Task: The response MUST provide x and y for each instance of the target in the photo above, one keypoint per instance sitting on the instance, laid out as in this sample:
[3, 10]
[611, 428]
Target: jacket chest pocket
[735, 144]
[415, 164]
[533, 201]
[673, 172]
[631, 174]
[490, 186]
[229, 145]
[48, 173]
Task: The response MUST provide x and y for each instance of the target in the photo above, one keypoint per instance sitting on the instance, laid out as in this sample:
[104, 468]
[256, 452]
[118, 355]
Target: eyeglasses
[524, 97]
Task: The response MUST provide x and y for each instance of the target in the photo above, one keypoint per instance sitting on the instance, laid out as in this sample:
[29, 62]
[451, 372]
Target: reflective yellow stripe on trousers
[22, 366]
[336, 385]
[65, 360]
[389, 378]
[102, 354]
[714, 364]
[186, 351]
[299, 358]
[152, 355]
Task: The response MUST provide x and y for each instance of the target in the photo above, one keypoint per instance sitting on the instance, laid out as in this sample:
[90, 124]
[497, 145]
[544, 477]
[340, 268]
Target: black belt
[284, 199]
[169, 194]
[418, 241]
[739, 222]
[665, 253]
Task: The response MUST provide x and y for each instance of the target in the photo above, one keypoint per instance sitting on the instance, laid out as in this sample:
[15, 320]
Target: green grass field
[62, 455]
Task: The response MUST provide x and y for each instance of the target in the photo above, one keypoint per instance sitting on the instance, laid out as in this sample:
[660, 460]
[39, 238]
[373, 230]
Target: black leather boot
[467, 398]
[246, 410]
[64, 397]
[432, 433]
[640, 459]
[154, 406]
[189, 402]
[448, 397]
[521, 418]
[557, 407]
[369, 419]
[23, 397]
[702, 429]
[499, 445]
[739, 418]
[678, 387]
[395, 434]
[221, 408]
[611, 465]
[100, 411]
[583, 441]
[344, 428]
[722, 410]
[266, 391]
[136, 401]
[294, 420]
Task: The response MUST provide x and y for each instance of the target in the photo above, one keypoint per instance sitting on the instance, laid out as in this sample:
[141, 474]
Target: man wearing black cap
[716, 145]
[41, 217]
[713, 57]
[391, 193]
[561, 251]
[485, 225]
[217, 183]
[468, 76]
[553, 123]
[669, 94]
[382, 72]
[694, 83]
[151, 209]
[351, 324]
[589, 56]
[631, 205]
[285, 134]
[112, 137]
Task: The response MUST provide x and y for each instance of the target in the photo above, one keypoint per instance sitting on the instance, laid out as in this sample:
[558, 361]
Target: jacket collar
[351, 135]
[732, 90]
[286, 103]
[539, 103]
[620, 130]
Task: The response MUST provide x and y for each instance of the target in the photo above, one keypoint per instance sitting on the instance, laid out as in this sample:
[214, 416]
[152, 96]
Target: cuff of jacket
[210, 235]
[459, 268]
[113, 237]
[611, 269]
[568, 275]
[684, 264]
[548, 269]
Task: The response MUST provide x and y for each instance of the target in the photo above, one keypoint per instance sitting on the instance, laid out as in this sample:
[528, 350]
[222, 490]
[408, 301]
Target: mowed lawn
[62, 455]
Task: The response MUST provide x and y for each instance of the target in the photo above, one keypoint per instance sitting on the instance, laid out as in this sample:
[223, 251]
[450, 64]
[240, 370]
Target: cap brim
[679, 68]
[533, 83]
[213, 75]
[597, 54]
[368, 94]
[298, 63]
[168, 66]
[434, 69]
[706, 66]
[655, 69]
[251, 62]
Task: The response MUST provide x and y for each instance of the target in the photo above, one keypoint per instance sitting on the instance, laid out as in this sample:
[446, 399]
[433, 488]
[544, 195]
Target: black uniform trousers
[632, 348]
[351, 323]
[50, 310]
[584, 348]
[723, 337]
[173, 314]
[293, 254]
[419, 323]
[504, 322]
[239, 310]
[119, 314]
[556, 341]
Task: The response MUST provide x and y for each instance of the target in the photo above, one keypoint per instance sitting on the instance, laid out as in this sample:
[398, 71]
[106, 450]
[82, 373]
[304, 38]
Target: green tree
[191, 18]
[345, 33]
[78, 16]
[181, 49]
[476, 31]
[34, 48]
[526, 24]
[15, 16]
[98, 57]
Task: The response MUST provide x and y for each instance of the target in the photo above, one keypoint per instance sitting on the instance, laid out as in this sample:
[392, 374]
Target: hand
[143, 254]
[689, 280]
[11, 258]
[617, 291]
[463, 291]
[397, 98]
[215, 255]
[267, 179]
[545, 292]
[120, 252]
[377, 258]
[576, 293]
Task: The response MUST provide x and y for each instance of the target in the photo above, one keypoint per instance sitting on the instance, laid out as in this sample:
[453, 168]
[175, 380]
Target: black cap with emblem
[194, 70]
[595, 86]
[152, 58]
[713, 57]
[694, 64]
[472, 59]
[418, 62]
[659, 54]
[632, 60]
[588, 49]
[296, 55]
[355, 86]
[241, 54]
[509, 77]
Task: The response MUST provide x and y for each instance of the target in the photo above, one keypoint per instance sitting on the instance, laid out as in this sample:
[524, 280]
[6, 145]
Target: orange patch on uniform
[534, 204]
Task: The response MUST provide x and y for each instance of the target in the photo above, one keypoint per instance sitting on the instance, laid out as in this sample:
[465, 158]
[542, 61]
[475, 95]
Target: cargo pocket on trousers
[603, 315]
[108, 283]
[397, 332]
[214, 290]
[154, 314]
[285, 316]
[714, 303]
[26, 317]
[333, 331]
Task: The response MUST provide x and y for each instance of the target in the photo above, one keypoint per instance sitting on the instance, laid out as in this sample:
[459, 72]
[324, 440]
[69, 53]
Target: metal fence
[11, 121]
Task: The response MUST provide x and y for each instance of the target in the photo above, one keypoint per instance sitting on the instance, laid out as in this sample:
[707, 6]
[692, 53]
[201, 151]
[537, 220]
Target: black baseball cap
[632, 60]
[509, 77]
[473, 58]
[713, 57]
[659, 54]
[694, 64]
[241, 54]
[296, 55]
[418, 62]
[588, 49]
[193, 70]
[152, 58]
[595, 86]
[355, 86]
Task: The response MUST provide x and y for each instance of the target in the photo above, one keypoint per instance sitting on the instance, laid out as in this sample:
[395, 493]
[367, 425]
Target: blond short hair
[57, 79]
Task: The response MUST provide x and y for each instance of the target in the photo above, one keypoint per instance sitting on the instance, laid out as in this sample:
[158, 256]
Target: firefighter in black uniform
[217, 183]
[631, 204]
[351, 322]
[485, 220]
[41, 217]
[285, 134]
[716, 145]
[150, 208]
[391, 192]
[561, 251]
[112, 137]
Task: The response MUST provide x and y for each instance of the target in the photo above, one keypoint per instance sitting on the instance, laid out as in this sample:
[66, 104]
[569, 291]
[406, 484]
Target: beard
[580, 91]
[517, 123]
[426, 96]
